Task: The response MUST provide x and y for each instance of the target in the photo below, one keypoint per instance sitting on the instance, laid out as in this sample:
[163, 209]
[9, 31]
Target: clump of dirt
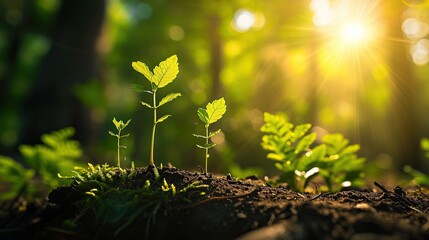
[229, 209]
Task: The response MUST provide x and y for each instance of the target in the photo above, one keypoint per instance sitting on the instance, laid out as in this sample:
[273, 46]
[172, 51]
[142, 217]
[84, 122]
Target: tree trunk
[71, 60]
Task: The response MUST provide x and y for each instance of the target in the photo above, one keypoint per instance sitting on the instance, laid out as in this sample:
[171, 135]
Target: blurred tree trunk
[71, 60]
[404, 90]
[215, 54]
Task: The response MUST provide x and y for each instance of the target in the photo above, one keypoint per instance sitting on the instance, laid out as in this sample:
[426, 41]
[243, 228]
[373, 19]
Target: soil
[230, 209]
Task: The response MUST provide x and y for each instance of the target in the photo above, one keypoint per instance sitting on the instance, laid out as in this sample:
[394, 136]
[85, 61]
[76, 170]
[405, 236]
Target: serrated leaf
[161, 119]
[170, 97]
[202, 114]
[137, 88]
[165, 72]
[143, 69]
[215, 110]
[214, 133]
[146, 104]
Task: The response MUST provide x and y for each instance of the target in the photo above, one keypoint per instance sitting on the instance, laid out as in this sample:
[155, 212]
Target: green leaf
[117, 124]
[146, 104]
[120, 125]
[165, 72]
[113, 134]
[314, 156]
[201, 146]
[202, 114]
[207, 146]
[161, 119]
[215, 110]
[170, 97]
[214, 133]
[199, 136]
[137, 87]
[143, 69]
[305, 143]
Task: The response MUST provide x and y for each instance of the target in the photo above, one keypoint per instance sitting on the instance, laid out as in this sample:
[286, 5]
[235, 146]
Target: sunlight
[354, 32]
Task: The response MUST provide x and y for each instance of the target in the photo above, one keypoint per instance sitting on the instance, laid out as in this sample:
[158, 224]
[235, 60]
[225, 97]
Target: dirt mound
[218, 208]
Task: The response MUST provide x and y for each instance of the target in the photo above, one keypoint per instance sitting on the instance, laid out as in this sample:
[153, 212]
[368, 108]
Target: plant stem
[119, 149]
[152, 145]
[207, 143]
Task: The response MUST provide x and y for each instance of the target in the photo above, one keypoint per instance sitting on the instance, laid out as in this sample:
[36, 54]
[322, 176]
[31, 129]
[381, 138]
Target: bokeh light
[420, 52]
[243, 20]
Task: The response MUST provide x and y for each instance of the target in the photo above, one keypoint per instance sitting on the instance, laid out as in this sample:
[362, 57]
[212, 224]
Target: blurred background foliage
[358, 67]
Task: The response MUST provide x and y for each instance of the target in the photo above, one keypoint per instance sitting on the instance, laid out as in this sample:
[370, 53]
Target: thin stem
[152, 162]
[119, 149]
[207, 143]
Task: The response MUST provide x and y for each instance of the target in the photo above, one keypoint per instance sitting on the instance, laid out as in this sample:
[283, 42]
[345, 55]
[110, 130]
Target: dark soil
[230, 209]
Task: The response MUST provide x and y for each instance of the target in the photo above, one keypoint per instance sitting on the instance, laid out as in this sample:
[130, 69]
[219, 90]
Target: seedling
[162, 75]
[120, 126]
[213, 112]
[291, 148]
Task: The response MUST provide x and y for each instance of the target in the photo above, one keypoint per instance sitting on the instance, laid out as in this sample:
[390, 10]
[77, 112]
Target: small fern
[291, 147]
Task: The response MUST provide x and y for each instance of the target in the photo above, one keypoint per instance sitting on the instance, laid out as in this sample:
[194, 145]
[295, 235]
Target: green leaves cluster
[292, 149]
[119, 126]
[57, 154]
[211, 114]
[162, 75]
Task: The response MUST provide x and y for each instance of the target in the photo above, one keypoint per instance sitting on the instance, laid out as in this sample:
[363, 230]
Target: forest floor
[229, 209]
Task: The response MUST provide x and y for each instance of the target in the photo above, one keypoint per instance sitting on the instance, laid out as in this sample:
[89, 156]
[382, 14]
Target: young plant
[162, 75]
[213, 112]
[290, 147]
[120, 126]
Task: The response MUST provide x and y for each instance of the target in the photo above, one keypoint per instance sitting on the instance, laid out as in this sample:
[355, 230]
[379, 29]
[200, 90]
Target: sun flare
[354, 33]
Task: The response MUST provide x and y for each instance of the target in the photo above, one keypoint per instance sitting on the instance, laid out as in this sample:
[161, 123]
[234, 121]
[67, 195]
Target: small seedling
[162, 75]
[213, 112]
[120, 126]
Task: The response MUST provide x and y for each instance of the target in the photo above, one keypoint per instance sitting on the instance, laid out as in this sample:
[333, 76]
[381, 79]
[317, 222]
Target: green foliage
[119, 126]
[291, 148]
[162, 75]
[57, 154]
[14, 178]
[419, 178]
[212, 113]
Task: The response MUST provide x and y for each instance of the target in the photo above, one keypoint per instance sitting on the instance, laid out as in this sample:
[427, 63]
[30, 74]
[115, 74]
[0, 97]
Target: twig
[405, 201]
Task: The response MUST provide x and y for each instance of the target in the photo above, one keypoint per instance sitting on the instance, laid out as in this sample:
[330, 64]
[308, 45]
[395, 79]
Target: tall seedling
[213, 112]
[162, 75]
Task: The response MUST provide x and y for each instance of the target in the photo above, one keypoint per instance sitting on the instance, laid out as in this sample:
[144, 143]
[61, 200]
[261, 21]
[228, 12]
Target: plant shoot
[120, 126]
[162, 75]
[213, 112]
